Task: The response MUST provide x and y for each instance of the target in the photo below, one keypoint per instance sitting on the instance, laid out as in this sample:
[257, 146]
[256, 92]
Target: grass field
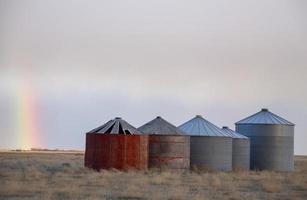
[62, 176]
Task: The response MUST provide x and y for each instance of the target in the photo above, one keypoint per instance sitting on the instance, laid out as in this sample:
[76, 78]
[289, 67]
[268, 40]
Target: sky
[69, 66]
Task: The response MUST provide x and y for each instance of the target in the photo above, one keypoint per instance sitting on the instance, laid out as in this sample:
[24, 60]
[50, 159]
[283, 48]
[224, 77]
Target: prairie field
[33, 175]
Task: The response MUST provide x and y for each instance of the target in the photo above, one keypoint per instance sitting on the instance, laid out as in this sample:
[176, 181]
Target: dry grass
[271, 186]
[62, 176]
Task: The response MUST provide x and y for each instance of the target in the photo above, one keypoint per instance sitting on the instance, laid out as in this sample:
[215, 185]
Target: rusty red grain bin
[169, 152]
[123, 152]
[116, 144]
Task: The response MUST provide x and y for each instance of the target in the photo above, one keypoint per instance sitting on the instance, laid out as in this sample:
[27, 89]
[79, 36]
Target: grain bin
[169, 148]
[272, 141]
[211, 148]
[116, 144]
[240, 150]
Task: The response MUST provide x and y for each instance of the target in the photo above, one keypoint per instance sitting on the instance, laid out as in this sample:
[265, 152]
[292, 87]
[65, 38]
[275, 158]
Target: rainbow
[27, 124]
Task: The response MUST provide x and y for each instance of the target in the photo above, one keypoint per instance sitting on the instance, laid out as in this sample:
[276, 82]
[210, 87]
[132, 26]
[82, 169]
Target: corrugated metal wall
[169, 152]
[272, 145]
[211, 153]
[106, 151]
[240, 154]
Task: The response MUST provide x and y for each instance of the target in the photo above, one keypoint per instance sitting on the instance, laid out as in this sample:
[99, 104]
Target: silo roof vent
[233, 133]
[160, 126]
[116, 126]
[198, 126]
[265, 117]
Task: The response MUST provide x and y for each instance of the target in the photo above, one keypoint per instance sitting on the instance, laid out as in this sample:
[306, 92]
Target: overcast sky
[85, 62]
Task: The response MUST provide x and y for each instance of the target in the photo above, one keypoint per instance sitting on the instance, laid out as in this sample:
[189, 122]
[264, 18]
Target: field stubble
[62, 176]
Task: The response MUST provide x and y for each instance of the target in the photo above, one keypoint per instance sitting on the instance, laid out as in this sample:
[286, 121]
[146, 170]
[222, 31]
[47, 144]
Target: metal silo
[169, 148]
[240, 150]
[272, 141]
[116, 144]
[211, 148]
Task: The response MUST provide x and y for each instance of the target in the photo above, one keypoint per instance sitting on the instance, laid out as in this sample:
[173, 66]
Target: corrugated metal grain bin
[272, 141]
[240, 150]
[118, 145]
[211, 148]
[169, 148]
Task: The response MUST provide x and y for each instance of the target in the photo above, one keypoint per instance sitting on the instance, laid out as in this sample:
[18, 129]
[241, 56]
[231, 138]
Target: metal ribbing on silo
[211, 153]
[169, 152]
[240, 150]
[211, 148]
[272, 141]
[169, 148]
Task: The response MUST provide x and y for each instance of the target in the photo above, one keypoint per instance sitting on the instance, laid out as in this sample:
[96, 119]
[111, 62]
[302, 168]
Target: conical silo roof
[265, 117]
[160, 126]
[233, 134]
[198, 126]
[116, 126]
